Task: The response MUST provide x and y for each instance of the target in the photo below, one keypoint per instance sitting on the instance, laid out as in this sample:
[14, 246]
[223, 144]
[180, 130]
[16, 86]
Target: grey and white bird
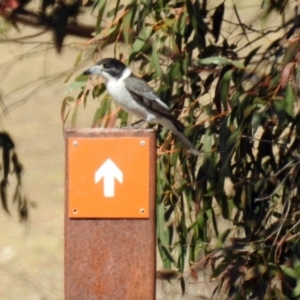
[136, 97]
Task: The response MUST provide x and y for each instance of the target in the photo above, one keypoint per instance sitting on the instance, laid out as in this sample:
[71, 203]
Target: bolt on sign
[108, 177]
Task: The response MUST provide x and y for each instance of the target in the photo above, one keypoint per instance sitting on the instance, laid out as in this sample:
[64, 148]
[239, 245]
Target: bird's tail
[171, 125]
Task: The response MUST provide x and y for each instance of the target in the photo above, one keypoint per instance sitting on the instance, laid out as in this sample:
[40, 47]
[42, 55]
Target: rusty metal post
[109, 257]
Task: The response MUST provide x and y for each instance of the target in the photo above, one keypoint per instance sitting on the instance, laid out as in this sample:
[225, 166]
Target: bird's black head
[108, 68]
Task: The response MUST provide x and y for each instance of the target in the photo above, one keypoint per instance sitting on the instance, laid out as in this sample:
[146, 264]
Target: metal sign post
[110, 214]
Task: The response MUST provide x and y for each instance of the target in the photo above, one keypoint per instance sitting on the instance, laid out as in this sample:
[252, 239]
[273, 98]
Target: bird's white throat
[126, 73]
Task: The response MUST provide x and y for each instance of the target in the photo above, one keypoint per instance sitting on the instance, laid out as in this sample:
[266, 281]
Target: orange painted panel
[108, 177]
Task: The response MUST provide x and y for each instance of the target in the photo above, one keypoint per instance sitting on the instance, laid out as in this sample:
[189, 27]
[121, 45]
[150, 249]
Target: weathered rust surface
[111, 258]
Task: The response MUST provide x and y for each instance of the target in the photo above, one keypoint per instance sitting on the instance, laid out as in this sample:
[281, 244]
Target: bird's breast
[123, 98]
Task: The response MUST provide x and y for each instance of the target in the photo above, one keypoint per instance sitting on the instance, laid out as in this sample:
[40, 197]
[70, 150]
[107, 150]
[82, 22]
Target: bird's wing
[145, 95]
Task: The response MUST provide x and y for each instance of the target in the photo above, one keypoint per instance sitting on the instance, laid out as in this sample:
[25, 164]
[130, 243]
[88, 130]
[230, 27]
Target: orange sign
[108, 177]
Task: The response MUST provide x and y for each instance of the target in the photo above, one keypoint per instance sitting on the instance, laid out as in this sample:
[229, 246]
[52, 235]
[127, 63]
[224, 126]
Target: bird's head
[109, 68]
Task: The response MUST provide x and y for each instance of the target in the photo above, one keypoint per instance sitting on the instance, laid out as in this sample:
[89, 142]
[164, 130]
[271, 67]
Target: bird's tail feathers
[187, 143]
[176, 129]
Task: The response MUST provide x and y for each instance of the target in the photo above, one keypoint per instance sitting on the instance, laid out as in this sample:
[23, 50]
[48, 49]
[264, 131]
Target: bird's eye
[106, 66]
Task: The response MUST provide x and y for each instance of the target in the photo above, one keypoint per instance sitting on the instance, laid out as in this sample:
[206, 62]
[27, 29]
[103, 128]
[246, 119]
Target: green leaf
[256, 120]
[78, 58]
[218, 60]
[74, 116]
[296, 290]
[254, 272]
[222, 200]
[223, 236]
[114, 11]
[98, 90]
[141, 39]
[123, 116]
[297, 270]
[207, 145]
[155, 64]
[161, 232]
[67, 100]
[225, 84]
[174, 72]
[168, 254]
[220, 269]
[250, 55]
[128, 23]
[181, 23]
[111, 32]
[101, 7]
[195, 16]
[79, 82]
[290, 53]
[235, 136]
[289, 99]
[289, 271]
[104, 109]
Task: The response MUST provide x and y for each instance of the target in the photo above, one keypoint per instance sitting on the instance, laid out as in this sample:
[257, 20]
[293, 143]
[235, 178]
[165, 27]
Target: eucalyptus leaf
[76, 85]
[141, 39]
[289, 100]
[218, 60]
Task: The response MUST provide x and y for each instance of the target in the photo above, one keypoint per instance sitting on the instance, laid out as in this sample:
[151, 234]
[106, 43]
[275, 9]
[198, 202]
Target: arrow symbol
[109, 171]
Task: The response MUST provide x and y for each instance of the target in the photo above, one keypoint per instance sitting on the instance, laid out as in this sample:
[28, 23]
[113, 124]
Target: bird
[135, 96]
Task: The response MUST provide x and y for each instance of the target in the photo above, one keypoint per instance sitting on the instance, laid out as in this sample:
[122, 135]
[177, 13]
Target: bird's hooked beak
[94, 70]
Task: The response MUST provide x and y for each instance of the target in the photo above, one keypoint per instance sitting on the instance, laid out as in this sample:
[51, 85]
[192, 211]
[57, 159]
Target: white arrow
[109, 171]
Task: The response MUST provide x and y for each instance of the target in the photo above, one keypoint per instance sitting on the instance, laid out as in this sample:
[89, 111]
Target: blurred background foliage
[235, 209]
[12, 172]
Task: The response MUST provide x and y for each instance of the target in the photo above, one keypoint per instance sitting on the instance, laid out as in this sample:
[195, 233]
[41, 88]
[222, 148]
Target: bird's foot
[136, 125]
